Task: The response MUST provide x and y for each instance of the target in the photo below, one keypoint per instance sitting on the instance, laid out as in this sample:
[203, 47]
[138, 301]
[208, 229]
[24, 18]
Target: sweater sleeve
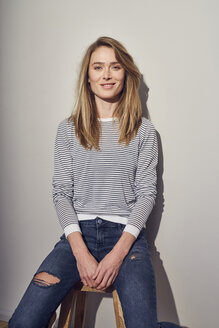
[63, 184]
[145, 180]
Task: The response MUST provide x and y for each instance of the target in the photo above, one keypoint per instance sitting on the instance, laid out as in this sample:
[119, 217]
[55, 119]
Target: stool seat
[76, 299]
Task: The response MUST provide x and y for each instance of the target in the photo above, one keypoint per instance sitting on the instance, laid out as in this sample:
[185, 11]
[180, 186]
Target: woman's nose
[107, 74]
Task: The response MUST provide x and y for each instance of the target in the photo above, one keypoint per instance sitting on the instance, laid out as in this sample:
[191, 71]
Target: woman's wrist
[124, 244]
[77, 244]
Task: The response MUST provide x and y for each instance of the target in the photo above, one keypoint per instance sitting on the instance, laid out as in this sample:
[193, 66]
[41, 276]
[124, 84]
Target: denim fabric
[135, 282]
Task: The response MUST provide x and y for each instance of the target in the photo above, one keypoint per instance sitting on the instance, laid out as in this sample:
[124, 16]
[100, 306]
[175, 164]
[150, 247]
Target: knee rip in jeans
[45, 279]
[135, 256]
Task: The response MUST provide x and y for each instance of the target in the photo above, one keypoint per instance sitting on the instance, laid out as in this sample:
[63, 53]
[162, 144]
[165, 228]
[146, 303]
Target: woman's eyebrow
[102, 63]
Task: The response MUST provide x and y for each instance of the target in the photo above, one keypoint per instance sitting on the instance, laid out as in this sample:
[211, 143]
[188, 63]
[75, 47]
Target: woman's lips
[107, 85]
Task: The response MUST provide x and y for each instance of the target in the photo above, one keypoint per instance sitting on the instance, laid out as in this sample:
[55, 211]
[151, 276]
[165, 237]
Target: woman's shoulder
[146, 126]
[66, 125]
[66, 129]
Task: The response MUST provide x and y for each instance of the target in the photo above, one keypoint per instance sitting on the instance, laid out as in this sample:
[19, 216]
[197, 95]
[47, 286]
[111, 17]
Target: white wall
[175, 45]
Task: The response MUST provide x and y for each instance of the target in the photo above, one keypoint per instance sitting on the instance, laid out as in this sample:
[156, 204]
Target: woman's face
[105, 74]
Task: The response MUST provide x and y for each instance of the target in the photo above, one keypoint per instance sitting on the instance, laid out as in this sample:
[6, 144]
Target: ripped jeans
[135, 282]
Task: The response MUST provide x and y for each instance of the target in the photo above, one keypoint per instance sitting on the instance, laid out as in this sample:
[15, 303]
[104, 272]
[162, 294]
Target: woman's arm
[86, 263]
[145, 179]
[63, 182]
[63, 189]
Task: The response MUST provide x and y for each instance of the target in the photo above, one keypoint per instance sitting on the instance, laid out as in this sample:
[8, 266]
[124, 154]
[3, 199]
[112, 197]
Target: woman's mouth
[107, 85]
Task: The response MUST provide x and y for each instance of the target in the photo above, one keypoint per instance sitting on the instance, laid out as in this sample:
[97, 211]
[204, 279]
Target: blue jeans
[135, 282]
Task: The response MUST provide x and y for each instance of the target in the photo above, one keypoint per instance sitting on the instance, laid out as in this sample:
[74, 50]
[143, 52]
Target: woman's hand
[107, 270]
[87, 266]
[99, 275]
[86, 263]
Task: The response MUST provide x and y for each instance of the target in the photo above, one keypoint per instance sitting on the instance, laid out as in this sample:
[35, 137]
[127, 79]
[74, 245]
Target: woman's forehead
[103, 54]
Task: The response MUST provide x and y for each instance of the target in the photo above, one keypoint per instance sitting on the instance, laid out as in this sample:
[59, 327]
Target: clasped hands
[99, 275]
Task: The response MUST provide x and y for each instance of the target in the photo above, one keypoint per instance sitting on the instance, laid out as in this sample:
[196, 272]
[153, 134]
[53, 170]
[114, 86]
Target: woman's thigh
[41, 297]
[135, 285]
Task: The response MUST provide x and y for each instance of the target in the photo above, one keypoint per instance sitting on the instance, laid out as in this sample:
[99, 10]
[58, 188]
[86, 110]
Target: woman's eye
[116, 67]
[97, 68]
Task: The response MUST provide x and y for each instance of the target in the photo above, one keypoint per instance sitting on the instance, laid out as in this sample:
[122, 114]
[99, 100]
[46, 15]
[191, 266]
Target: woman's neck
[105, 109]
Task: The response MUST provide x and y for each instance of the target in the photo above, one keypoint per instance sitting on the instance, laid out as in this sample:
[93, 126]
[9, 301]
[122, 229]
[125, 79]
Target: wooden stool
[77, 298]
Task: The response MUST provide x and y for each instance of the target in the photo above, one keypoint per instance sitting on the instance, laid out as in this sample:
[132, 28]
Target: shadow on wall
[166, 306]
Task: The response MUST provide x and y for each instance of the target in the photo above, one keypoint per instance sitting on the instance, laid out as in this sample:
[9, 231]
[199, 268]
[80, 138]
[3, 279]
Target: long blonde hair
[128, 111]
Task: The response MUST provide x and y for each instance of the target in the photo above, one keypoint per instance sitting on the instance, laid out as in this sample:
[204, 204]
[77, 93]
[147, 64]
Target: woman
[104, 188]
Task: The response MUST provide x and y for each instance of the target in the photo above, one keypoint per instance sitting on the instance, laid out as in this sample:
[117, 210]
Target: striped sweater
[117, 183]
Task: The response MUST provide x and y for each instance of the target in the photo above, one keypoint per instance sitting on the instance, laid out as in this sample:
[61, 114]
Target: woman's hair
[128, 111]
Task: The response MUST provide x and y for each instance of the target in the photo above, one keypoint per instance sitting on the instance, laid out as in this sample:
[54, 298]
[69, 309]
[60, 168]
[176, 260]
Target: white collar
[106, 119]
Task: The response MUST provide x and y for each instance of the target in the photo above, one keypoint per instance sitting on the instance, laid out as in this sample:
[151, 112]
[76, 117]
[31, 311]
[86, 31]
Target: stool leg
[80, 311]
[120, 323]
[67, 308]
[52, 320]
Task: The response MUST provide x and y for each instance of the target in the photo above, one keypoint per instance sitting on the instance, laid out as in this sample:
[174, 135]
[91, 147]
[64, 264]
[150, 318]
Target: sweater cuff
[72, 228]
[132, 229]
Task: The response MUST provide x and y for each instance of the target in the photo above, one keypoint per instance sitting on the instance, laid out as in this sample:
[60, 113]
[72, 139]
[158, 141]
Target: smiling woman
[104, 188]
[107, 56]
[106, 78]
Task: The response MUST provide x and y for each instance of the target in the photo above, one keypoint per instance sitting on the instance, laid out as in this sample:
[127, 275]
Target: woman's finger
[104, 281]
[84, 282]
[114, 277]
[111, 280]
[99, 276]
[90, 282]
[97, 271]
